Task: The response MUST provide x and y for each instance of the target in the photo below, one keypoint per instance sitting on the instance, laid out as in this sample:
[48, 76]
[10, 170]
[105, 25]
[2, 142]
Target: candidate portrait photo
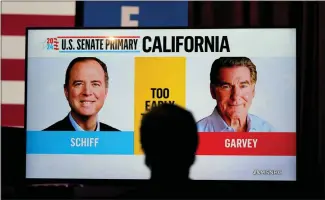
[233, 82]
[80, 93]
[85, 88]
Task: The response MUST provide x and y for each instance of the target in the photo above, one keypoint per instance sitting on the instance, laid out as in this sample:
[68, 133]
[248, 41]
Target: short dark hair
[232, 62]
[169, 128]
[82, 59]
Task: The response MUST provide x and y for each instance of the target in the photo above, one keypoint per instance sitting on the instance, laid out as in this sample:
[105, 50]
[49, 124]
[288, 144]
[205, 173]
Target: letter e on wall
[126, 12]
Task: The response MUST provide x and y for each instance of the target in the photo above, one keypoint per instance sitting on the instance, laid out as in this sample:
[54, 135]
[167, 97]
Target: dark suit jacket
[65, 125]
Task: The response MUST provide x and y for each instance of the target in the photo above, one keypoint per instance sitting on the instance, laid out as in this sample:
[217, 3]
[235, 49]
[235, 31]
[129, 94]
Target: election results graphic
[146, 68]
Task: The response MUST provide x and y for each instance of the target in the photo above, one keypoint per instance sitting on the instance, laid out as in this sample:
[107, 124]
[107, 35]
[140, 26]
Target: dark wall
[12, 156]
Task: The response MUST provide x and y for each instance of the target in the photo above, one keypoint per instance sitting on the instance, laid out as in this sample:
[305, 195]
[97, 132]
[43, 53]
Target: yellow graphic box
[157, 80]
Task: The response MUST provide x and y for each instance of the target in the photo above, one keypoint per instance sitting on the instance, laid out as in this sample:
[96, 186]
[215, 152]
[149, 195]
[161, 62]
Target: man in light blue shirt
[214, 123]
[77, 127]
[232, 85]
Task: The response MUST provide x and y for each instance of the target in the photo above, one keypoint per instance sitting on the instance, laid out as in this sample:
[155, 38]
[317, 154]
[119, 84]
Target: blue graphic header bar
[80, 142]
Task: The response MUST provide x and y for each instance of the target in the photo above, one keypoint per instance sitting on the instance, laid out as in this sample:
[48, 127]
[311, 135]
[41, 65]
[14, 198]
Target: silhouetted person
[169, 140]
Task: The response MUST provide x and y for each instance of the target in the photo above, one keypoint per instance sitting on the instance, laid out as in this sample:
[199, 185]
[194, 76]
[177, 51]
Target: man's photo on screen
[232, 86]
[86, 89]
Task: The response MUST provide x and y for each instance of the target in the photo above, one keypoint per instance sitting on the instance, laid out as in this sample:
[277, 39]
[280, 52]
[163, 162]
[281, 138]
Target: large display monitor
[240, 85]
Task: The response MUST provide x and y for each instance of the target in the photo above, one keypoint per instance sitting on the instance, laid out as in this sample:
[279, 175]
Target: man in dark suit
[85, 88]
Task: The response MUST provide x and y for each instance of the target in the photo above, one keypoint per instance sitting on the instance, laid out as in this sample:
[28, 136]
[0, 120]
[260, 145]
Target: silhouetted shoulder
[105, 127]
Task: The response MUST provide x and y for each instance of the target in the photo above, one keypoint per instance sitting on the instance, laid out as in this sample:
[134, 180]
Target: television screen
[87, 90]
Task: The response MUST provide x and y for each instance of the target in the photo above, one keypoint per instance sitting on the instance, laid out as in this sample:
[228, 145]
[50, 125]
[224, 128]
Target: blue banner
[135, 13]
[80, 142]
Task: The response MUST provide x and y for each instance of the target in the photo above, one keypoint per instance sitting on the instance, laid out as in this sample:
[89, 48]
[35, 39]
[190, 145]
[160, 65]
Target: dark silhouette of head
[169, 139]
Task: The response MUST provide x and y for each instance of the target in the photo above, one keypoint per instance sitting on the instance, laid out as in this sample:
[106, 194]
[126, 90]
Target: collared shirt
[76, 126]
[214, 123]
